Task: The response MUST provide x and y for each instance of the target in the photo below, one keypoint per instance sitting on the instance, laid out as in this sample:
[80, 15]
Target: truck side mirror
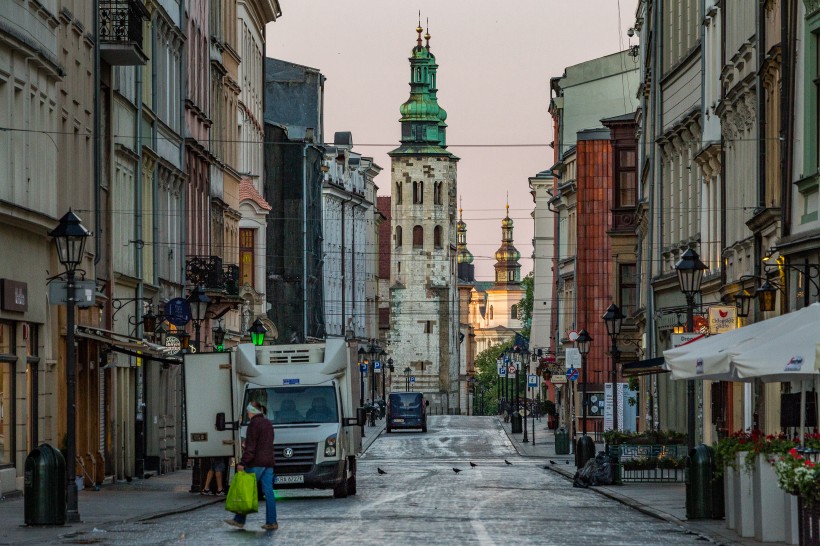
[361, 417]
[220, 421]
[427, 403]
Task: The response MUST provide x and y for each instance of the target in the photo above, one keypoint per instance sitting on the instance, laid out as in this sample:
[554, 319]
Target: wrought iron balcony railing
[121, 23]
[212, 274]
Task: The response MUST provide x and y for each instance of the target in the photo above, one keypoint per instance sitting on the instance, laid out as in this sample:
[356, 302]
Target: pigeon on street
[380, 470]
[456, 470]
[473, 464]
[552, 462]
[508, 462]
[566, 462]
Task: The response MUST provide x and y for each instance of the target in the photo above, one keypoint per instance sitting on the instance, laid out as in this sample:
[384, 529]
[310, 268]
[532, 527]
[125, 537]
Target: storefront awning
[643, 367]
[128, 345]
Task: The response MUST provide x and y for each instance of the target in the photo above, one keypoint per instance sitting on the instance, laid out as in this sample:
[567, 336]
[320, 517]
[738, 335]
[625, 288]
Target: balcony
[221, 282]
[121, 23]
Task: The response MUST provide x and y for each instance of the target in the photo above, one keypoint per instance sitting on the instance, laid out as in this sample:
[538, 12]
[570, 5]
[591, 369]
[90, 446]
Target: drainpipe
[97, 140]
[654, 171]
[344, 271]
[760, 28]
[139, 416]
[304, 243]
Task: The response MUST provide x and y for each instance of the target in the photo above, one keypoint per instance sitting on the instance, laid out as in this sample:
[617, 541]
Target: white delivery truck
[307, 392]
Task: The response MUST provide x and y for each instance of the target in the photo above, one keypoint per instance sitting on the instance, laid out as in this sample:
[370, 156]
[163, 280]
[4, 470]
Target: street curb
[175, 511]
[636, 505]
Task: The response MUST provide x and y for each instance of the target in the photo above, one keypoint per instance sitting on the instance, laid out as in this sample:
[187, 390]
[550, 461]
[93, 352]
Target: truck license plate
[398, 420]
[289, 479]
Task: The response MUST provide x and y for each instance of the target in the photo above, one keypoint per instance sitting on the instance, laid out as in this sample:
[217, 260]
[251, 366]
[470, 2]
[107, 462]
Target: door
[209, 390]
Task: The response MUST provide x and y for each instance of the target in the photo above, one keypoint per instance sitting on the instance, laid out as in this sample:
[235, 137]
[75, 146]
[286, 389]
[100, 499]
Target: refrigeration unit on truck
[307, 393]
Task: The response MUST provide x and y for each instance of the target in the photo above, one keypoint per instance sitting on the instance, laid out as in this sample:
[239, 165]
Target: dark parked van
[406, 410]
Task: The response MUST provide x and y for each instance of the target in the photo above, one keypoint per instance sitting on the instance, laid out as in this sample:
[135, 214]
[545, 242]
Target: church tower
[424, 333]
[507, 268]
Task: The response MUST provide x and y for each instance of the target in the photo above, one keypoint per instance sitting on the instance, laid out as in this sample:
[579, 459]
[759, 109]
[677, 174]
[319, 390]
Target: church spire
[423, 126]
[507, 268]
[464, 258]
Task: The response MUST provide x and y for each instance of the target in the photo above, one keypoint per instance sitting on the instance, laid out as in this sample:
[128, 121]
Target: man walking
[258, 458]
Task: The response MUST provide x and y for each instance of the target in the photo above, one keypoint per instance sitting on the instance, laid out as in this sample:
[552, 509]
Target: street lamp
[584, 341]
[198, 301]
[407, 379]
[219, 339]
[257, 331]
[374, 351]
[536, 357]
[69, 238]
[498, 363]
[384, 372]
[766, 296]
[613, 319]
[690, 275]
[362, 365]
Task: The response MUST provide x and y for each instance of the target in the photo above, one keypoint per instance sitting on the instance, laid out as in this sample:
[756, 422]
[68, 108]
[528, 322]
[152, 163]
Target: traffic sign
[363, 367]
[573, 357]
[511, 369]
[377, 366]
[412, 379]
[502, 371]
[572, 374]
[532, 380]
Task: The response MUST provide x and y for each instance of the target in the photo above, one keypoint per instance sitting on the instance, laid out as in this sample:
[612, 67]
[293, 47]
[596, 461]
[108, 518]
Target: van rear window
[399, 400]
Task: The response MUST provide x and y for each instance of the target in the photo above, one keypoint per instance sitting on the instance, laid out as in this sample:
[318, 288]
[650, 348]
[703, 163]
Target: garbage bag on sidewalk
[242, 497]
[597, 471]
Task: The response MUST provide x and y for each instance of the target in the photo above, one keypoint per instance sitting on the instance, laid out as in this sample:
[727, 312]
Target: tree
[487, 375]
[526, 303]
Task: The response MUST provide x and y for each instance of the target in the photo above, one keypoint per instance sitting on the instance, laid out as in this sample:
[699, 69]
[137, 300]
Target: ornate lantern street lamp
[69, 238]
[257, 331]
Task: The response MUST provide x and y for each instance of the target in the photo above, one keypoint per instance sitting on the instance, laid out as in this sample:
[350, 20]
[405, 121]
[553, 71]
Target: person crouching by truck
[258, 458]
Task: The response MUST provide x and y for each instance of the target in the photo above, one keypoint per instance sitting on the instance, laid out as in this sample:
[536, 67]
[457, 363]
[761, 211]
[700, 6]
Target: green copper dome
[463, 256]
[423, 127]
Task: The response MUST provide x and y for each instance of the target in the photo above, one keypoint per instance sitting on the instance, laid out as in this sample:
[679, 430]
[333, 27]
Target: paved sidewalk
[665, 501]
[137, 500]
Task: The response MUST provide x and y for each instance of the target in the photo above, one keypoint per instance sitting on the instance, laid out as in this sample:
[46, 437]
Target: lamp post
[498, 363]
[525, 363]
[613, 319]
[374, 351]
[585, 448]
[384, 372]
[690, 275]
[536, 356]
[407, 379]
[69, 238]
[199, 301]
[219, 339]
[362, 364]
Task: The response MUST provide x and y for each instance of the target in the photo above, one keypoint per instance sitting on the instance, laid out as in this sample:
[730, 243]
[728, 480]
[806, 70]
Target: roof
[623, 117]
[598, 133]
[248, 191]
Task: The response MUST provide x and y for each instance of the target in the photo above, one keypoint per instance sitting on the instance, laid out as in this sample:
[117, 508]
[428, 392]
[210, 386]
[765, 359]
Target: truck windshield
[294, 405]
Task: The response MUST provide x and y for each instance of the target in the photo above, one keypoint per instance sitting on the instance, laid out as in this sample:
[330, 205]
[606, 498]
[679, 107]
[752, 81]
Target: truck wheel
[341, 490]
[388, 430]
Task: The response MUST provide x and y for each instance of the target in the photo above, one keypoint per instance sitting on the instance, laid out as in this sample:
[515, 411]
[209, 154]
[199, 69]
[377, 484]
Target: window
[627, 190]
[437, 237]
[428, 326]
[628, 288]
[398, 236]
[398, 193]
[491, 313]
[246, 237]
[418, 237]
[437, 193]
[514, 312]
[418, 193]
[7, 394]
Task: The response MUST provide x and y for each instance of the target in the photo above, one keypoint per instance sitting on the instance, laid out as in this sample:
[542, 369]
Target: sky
[495, 63]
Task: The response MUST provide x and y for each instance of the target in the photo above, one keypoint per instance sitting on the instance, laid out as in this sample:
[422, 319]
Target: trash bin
[44, 487]
[561, 441]
[584, 451]
[515, 420]
[704, 493]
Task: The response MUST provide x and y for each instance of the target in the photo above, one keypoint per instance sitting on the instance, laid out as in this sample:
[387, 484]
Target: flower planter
[743, 495]
[809, 523]
[648, 463]
[729, 504]
[791, 517]
[769, 503]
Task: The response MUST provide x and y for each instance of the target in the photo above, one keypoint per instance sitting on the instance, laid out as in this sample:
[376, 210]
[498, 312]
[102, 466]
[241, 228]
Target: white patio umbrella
[785, 352]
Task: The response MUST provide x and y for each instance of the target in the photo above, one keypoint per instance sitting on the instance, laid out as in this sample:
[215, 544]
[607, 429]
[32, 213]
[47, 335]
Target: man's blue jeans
[264, 475]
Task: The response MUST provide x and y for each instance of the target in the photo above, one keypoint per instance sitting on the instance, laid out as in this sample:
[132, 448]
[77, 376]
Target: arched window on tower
[436, 193]
[418, 193]
[418, 237]
[398, 193]
[514, 312]
[398, 236]
[437, 237]
[491, 313]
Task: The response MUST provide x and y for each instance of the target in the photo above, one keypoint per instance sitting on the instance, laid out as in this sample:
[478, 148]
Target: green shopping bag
[242, 497]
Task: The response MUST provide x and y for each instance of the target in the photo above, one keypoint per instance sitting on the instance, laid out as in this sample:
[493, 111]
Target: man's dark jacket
[258, 443]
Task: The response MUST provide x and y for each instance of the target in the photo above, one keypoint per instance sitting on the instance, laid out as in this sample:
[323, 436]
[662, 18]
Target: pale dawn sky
[495, 62]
